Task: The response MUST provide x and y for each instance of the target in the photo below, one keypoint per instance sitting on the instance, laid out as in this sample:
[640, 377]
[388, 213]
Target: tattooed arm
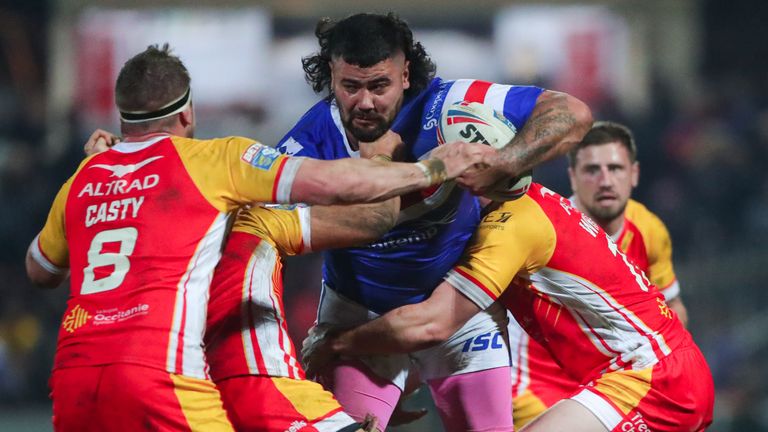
[557, 123]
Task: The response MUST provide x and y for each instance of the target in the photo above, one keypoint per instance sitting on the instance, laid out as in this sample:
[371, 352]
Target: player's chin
[368, 134]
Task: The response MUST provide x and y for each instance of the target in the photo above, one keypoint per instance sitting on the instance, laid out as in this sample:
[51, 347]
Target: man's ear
[635, 173]
[187, 117]
[407, 75]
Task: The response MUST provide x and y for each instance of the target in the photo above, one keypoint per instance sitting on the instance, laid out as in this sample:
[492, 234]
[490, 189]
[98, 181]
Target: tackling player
[253, 360]
[140, 228]
[603, 170]
[577, 294]
[379, 78]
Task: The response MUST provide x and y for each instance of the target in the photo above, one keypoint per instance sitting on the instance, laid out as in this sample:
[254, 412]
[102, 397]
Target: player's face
[369, 98]
[602, 180]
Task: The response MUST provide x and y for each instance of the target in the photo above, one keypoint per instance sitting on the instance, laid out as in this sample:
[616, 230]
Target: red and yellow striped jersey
[247, 330]
[141, 228]
[569, 286]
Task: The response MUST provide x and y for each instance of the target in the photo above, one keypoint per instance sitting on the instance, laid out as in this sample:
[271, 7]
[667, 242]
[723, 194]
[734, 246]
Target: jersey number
[126, 239]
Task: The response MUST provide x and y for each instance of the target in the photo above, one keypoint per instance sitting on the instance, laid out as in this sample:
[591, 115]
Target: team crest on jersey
[75, 319]
[260, 156]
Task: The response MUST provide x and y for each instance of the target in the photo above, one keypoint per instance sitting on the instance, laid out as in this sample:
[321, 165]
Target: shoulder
[644, 219]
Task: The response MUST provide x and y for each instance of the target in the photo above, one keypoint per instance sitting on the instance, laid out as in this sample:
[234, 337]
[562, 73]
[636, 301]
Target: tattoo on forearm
[550, 123]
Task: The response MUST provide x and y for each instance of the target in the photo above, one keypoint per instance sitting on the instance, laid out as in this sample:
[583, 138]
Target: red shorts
[124, 397]
[676, 394]
[263, 403]
[542, 381]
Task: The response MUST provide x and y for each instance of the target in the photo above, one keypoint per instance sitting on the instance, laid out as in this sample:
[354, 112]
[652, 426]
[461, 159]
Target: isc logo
[484, 341]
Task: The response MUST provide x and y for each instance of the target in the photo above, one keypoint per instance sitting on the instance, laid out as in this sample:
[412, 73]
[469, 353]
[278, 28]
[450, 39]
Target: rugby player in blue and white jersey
[379, 79]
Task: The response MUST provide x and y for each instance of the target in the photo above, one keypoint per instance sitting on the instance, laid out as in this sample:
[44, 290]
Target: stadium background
[690, 77]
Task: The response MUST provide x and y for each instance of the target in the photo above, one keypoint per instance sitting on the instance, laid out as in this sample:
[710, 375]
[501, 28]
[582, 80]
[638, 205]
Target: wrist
[433, 170]
[381, 157]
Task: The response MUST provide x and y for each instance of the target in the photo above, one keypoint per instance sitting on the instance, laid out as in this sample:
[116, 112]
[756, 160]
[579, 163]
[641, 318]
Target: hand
[100, 141]
[389, 144]
[316, 350]
[370, 423]
[459, 157]
[480, 181]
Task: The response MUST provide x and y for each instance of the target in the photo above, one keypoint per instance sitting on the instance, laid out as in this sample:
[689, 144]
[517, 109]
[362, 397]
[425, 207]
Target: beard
[606, 214]
[380, 127]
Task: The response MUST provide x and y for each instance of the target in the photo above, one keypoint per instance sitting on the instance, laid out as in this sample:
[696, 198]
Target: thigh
[74, 392]
[338, 312]
[480, 344]
[566, 416]
[361, 391]
[475, 401]
[263, 403]
[140, 398]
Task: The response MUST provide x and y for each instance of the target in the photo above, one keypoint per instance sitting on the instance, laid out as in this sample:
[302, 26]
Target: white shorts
[480, 344]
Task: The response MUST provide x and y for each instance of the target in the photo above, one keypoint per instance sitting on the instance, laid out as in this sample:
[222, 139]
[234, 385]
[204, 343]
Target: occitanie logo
[75, 319]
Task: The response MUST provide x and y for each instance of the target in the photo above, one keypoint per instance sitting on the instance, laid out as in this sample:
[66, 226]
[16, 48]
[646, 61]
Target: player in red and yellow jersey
[140, 228]
[571, 288]
[252, 358]
[603, 170]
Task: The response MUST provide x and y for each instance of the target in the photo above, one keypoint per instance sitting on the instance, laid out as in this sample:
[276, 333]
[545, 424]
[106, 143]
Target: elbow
[435, 333]
[582, 115]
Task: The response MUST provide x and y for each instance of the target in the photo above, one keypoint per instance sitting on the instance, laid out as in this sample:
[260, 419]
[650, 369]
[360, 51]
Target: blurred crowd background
[689, 77]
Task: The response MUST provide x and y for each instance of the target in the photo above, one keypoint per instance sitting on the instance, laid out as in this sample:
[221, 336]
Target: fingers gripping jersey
[141, 228]
[569, 286]
[434, 225]
[247, 331]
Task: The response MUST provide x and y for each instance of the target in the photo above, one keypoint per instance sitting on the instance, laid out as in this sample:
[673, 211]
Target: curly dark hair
[365, 40]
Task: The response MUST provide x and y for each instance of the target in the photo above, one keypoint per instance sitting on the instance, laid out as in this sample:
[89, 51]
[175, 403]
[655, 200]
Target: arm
[347, 181]
[41, 277]
[677, 305]
[405, 329]
[556, 124]
[411, 327]
[345, 226]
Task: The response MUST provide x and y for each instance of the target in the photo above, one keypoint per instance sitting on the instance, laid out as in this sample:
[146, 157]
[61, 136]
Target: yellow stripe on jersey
[308, 397]
[281, 227]
[231, 171]
[53, 237]
[526, 407]
[625, 388]
[201, 404]
[657, 242]
[518, 237]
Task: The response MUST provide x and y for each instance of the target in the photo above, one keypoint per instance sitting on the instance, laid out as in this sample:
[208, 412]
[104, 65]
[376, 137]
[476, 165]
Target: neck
[353, 143]
[144, 137]
[613, 226]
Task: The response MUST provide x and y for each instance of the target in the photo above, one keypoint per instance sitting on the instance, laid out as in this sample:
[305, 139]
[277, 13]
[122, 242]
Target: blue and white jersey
[434, 225]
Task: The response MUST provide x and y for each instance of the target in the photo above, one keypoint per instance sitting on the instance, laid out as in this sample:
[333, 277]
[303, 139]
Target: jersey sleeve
[234, 171]
[516, 102]
[305, 138]
[50, 248]
[286, 227]
[660, 268]
[517, 239]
